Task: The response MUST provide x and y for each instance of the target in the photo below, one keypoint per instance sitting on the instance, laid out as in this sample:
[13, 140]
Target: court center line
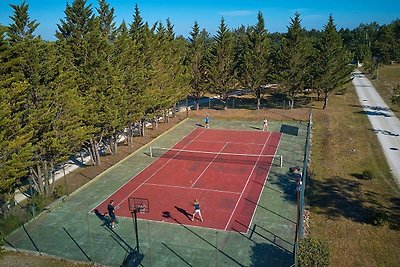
[247, 182]
[196, 188]
[159, 169]
[201, 174]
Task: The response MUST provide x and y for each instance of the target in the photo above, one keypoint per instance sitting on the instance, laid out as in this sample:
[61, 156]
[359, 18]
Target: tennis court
[226, 170]
[70, 230]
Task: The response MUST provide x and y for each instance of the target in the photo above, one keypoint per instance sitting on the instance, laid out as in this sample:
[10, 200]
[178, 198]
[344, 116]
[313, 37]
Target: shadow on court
[184, 212]
[265, 254]
[269, 236]
[271, 211]
[105, 219]
[167, 214]
[255, 128]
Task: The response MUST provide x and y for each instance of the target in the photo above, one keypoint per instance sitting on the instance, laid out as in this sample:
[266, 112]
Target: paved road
[385, 124]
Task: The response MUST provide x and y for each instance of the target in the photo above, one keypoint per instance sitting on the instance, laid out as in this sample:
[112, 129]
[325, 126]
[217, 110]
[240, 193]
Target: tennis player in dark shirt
[111, 213]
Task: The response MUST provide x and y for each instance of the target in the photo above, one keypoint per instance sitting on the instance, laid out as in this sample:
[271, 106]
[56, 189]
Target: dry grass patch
[388, 80]
[358, 218]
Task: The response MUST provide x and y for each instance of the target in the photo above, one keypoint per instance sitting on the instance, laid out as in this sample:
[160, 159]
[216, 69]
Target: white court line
[201, 174]
[151, 163]
[160, 168]
[197, 188]
[208, 141]
[245, 186]
[262, 190]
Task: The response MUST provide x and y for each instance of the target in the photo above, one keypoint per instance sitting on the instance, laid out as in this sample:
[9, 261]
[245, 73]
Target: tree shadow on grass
[394, 215]
[339, 197]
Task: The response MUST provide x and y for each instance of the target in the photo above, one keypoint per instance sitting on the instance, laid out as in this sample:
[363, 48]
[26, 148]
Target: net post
[281, 161]
[151, 151]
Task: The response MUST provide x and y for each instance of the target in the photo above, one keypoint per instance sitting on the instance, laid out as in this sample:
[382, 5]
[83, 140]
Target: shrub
[39, 201]
[379, 217]
[313, 252]
[1, 239]
[12, 222]
[368, 175]
[58, 192]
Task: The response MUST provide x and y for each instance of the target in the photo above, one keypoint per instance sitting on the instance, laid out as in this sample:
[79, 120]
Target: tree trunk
[94, 152]
[167, 116]
[258, 96]
[156, 121]
[52, 184]
[114, 143]
[142, 127]
[37, 178]
[174, 110]
[291, 103]
[42, 176]
[129, 134]
[325, 101]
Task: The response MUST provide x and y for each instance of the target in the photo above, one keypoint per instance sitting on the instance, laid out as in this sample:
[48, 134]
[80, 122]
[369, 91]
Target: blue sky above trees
[183, 13]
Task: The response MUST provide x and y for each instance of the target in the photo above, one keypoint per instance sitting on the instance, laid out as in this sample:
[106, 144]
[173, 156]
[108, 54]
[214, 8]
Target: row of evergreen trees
[97, 81]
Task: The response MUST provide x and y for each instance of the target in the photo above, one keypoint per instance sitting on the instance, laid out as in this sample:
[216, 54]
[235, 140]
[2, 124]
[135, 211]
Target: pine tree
[169, 77]
[129, 62]
[78, 21]
[253, 58]
[221, 65]
[197, 56]
[137, 27]
[293, 60]
[106, 18]
[16, 149]
[22, 27]
[333, 67]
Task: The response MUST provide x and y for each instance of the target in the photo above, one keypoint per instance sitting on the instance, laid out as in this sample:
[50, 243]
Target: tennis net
[195, 155]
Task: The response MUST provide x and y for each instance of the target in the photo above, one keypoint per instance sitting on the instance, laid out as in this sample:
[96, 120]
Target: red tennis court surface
[227, 187]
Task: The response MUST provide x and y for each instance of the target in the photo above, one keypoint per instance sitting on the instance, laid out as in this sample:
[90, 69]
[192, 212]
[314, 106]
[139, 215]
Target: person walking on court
[196, 206]
[111, 213]
[207, 121]
[265, 125]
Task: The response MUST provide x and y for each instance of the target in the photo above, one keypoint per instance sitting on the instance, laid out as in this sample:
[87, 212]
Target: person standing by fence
[265, 125]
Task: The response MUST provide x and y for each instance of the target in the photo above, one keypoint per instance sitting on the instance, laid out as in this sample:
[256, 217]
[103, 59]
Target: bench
[54, 204]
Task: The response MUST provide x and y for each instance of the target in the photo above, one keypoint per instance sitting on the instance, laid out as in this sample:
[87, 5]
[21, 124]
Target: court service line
[208, 141]
[201, 174]
[160, 167]
[151, 163]
[197, 188]
[247, 182]
[265, 182]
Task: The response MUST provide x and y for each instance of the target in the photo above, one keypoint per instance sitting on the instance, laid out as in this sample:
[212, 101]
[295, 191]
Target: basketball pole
[134, 217]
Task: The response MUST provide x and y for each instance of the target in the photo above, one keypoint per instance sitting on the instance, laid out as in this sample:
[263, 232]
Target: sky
[183, 13]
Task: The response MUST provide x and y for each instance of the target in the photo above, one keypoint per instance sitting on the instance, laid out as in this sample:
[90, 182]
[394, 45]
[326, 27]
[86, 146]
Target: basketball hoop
[141, 209]
[138, 205]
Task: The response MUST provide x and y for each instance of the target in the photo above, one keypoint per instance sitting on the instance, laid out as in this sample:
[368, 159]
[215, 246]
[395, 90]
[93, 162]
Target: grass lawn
[388, 80]
[358, 218]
